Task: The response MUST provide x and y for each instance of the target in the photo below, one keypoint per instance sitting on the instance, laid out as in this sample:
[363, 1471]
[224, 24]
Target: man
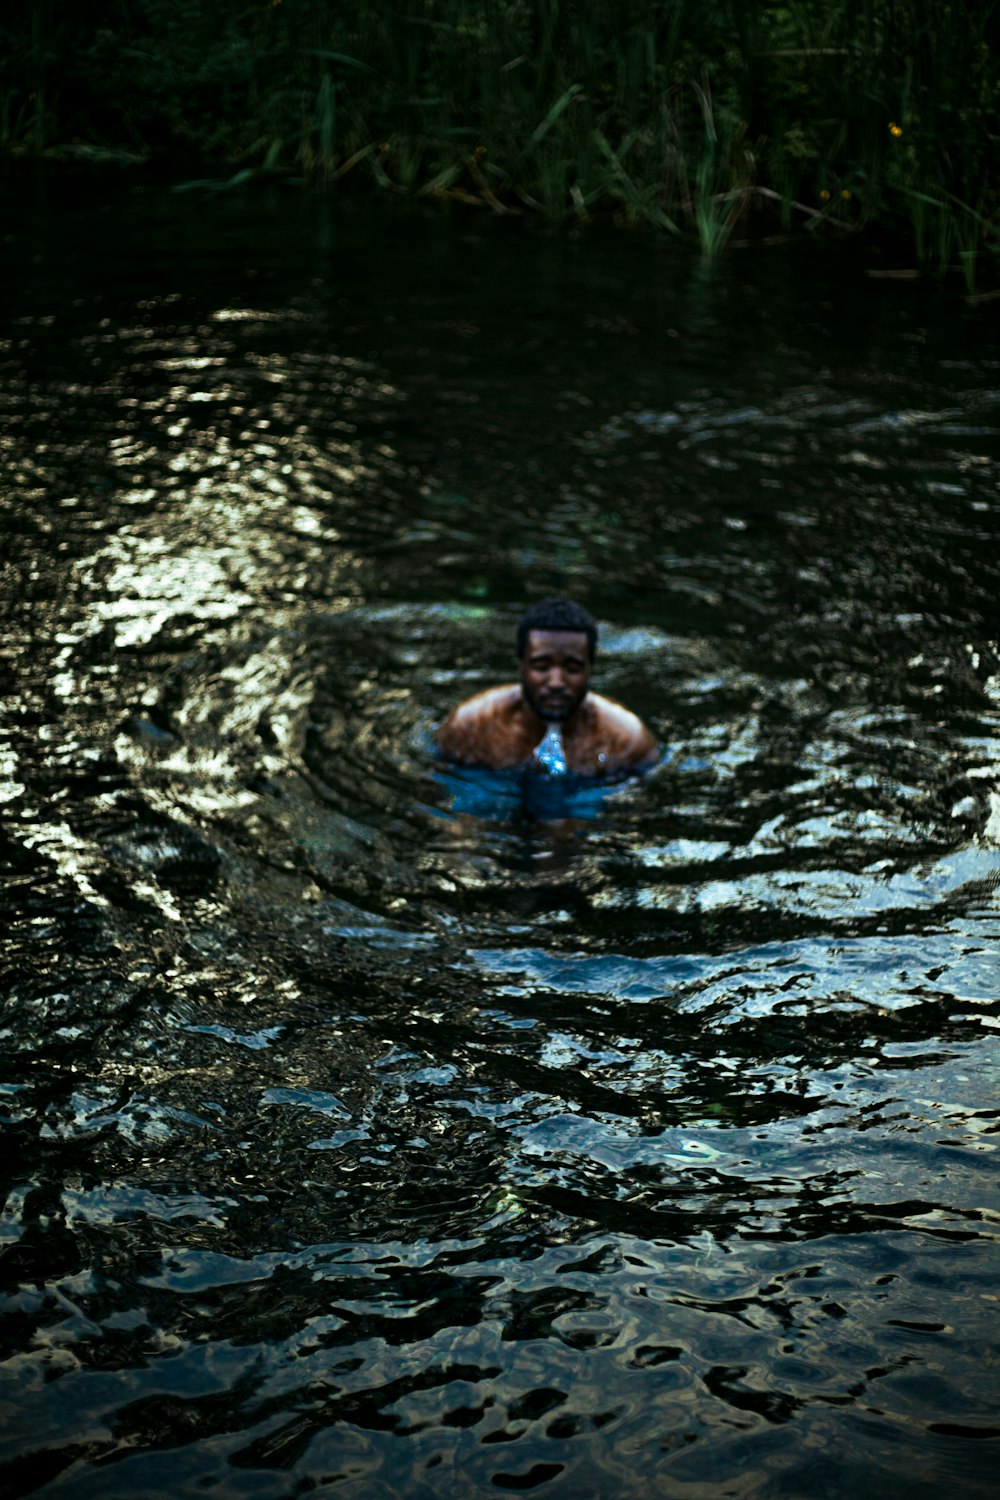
[549, 718]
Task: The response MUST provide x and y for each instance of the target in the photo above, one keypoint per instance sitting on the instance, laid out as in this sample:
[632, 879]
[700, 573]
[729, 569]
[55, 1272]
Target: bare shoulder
[623, 733]
[476, 732]
[484, 705]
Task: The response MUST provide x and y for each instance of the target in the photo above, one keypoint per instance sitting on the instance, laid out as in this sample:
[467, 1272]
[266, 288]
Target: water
[550, 756]
[370, 1128]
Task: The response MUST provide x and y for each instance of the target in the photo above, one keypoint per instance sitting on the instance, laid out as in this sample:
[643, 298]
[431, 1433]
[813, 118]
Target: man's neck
[539, 727]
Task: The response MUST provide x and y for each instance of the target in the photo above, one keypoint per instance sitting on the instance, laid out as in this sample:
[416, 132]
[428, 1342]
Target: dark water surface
[367, 1138]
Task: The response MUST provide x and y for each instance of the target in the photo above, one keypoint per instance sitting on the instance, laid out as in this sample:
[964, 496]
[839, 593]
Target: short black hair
[557, 614]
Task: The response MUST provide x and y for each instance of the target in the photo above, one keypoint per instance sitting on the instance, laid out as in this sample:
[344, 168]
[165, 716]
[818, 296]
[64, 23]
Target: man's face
[555, 672]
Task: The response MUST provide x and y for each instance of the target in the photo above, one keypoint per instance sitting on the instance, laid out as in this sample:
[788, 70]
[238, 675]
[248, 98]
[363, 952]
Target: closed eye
[543, 663]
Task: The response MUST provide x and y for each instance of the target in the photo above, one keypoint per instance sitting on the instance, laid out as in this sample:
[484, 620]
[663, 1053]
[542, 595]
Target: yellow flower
[845, 193]
[894, 129]
[824, 196]
[383, 147]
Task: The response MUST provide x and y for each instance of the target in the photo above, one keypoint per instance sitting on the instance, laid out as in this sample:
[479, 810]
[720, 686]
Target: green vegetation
[830, 114]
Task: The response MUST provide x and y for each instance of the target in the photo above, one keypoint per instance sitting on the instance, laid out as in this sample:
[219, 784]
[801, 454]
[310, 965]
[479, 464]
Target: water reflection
[382, 1134]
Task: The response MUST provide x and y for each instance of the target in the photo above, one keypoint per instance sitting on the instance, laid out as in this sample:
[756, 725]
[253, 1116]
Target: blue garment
[526, 791]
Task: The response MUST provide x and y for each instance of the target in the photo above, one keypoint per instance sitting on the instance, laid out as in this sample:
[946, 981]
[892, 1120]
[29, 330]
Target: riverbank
[709, 125]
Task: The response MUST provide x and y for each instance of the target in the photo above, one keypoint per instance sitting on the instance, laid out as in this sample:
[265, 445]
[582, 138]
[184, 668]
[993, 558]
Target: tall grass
[852, 113]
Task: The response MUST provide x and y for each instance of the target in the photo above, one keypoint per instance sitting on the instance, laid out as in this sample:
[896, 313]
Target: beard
[555, 708]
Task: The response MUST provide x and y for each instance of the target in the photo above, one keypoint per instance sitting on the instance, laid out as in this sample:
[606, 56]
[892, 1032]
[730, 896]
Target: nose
[557, 678]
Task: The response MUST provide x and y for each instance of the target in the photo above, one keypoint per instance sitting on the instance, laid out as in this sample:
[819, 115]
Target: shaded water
[364, 1130]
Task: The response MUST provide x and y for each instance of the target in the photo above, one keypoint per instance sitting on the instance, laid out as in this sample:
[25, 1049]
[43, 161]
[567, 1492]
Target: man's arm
[481, 732]
[623, 738]
[453, 736]
[645, 751]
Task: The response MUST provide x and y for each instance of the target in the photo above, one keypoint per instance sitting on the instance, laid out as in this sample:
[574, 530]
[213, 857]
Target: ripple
[372, 1127]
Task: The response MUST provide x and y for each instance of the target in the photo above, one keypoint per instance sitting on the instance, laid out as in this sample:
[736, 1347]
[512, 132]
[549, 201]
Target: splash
[550, 756]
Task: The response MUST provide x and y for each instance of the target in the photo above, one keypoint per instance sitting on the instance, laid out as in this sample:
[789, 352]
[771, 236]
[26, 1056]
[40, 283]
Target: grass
[837, 115]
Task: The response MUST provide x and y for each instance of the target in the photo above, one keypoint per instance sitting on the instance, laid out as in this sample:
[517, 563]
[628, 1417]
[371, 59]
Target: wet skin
[501, 727]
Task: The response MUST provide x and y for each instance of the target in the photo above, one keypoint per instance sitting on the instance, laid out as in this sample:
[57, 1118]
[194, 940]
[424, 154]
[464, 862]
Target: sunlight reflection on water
[369, 1128]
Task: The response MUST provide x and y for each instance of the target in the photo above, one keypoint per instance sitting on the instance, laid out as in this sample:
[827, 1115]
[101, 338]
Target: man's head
[556, 642]
[557, 614]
